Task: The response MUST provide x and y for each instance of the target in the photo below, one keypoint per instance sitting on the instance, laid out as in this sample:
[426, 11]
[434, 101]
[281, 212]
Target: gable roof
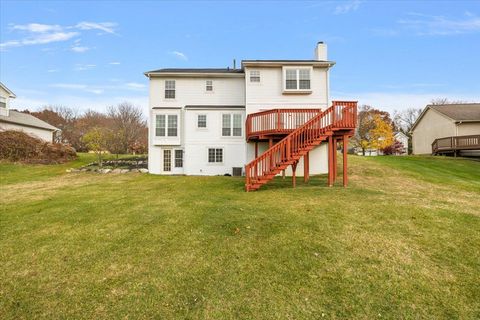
[26, 119]
[458, 112]
[10, 92]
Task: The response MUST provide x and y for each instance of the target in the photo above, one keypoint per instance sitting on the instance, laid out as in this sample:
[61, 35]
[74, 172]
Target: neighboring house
[215, 121]
[14, 120]
[455, 124]
[403, 139]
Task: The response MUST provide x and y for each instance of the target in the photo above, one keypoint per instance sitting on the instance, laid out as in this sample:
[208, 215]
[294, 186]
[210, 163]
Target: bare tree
[442, 101]
[405, 119]
[128, 124]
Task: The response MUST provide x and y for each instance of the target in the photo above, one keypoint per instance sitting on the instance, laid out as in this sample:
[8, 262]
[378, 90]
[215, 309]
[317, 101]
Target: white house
[14, 120]
[403, 139]
[201, 120]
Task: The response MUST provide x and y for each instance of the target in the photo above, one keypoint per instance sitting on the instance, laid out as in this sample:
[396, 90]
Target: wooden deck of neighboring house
[454, 145]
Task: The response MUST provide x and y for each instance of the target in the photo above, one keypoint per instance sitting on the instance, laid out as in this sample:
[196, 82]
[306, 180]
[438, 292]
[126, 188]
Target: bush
[21, 147]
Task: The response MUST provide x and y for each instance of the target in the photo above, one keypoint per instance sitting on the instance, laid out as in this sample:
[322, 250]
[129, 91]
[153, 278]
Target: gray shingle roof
[26, 119]
[196, 70]
[459, 112]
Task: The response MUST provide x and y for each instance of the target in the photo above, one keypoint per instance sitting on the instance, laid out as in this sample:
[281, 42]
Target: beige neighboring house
[452, 121]
[14, 120]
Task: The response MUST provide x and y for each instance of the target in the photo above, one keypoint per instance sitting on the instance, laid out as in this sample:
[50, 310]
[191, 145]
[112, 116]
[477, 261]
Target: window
[169, 89]
[202, 121]
[237, 125]
[172, 125]
[178, 158]
[226, 125]
[297, 79]
[167, 160]
[231, 125]
[3, 102]
[254, 76]
[209, 85]
[161, 130]
[215, 155]
[160, 125]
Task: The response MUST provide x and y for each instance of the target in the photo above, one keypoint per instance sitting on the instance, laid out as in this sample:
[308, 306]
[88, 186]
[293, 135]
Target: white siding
[5, 95]
[191, 91]
[268, 93]
[43, 134]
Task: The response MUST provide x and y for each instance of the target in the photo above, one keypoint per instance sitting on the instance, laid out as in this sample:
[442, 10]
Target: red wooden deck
[300, 130]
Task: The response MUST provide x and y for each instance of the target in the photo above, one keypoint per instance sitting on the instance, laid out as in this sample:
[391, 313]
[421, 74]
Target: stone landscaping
[125, 165]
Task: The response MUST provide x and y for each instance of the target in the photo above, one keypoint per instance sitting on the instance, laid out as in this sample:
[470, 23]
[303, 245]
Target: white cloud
[347, 7]
[38, 28]
[80, 49]
[135, 86]
[425, 25]
[179, 55]
[37, 33]
[82, 67]
[52, 70]
[39, 38]
[114, 63]
[81, 87]
[107, 27]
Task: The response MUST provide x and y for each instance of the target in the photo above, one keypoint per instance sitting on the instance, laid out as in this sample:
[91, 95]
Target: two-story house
[216, 121]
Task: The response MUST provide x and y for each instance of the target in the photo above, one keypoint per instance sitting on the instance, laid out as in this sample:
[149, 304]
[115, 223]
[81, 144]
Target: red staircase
[336, 122]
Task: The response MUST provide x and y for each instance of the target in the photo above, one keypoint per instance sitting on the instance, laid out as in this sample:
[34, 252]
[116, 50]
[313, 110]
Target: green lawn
[402, 241]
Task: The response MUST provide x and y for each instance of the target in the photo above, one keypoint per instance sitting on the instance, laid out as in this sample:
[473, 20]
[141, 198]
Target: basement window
[215, 155]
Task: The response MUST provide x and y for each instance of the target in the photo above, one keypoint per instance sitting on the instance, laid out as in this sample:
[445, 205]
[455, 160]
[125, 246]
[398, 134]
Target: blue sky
[92, 54]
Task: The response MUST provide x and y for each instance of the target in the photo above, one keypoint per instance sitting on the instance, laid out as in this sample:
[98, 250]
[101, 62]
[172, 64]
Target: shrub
[21, 147]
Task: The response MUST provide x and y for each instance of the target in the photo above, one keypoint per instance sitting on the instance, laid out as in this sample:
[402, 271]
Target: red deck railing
[277, 121]
[340, 116]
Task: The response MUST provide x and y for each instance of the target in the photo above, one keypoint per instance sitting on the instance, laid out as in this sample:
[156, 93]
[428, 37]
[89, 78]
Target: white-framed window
[297, 79]
[209, 85]
[202, 121]
[169, 89]
[166, 125]
[215, 155]
[3, 102]
[231, 125]
[178, 158]
[167, 160]
[254, 76]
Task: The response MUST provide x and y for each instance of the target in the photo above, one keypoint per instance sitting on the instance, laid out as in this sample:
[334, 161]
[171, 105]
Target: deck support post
[345, 149]
[270, 144]
[334, 155]
[294, 177]
[256, 149]
[330, 161]
[306, 167]
[283, 174]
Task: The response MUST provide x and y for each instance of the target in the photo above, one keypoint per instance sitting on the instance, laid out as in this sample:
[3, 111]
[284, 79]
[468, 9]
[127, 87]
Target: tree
[96, 140]
[382, 133]
[128, 125]
[405, 119]
[63, 118]
[442, 101]
[396, 148]
[366, 123]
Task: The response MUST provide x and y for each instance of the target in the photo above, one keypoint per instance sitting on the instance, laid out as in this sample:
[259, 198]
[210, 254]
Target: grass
[401, 242]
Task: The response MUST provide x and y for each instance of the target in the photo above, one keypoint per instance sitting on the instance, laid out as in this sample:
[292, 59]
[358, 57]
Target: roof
[200, 71]
[10, 92]
[457, 112]
[460, 111]
[276, 63]
[26, 119]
